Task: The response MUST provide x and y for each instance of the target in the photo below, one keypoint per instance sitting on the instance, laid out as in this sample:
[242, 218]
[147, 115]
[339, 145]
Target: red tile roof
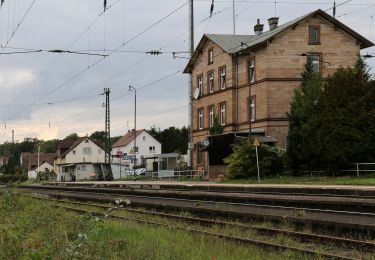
[76, 143]
[126, 139]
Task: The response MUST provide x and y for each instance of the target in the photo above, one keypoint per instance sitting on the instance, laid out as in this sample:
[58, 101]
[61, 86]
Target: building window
[87, 151]
[211, 117]
[316, 61]
[251, 70]
[222, 113]
[74, 152]
[222, 78]
[251, 106]
[83, 168]
[210, 56]
[200, 118]
[151, 149]
[211, 87]
[144, 138]
[200, 84]
[314, 35]
[99, 151]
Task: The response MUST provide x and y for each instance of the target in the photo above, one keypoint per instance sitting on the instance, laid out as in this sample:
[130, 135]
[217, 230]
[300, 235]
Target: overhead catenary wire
[99, 61]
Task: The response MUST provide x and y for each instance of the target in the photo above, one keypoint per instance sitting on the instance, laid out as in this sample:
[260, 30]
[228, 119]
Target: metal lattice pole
[107, 126]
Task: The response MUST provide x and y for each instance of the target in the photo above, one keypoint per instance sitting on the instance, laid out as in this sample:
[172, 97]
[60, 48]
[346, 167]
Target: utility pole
[131, 88]
[107, 145]
[191, 48]
[13, 137]
[234, 19]
[334, 8]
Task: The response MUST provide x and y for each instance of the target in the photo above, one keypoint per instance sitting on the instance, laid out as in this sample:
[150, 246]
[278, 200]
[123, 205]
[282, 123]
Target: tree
[216, 128]
[99, 136]
[347, 130]
[304, 121]
[72, 137]
[242, 162]
[172, 139]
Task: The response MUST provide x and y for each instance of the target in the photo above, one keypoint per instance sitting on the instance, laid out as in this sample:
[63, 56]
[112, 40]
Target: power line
[99, 61]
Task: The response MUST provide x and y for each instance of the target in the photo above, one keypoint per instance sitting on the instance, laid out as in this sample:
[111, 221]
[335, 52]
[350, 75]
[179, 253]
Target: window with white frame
[151, 149]
[86, 150]
[200, 84]
[252, 108]
[315, 59]
[222, 78]
[252, 70]
[200, 118]
[222, 113]
[211, 118]
[211, 86]
[211, 56]
[83, 168]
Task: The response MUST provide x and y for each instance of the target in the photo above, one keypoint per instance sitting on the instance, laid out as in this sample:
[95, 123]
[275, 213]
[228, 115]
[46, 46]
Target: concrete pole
[191, 49]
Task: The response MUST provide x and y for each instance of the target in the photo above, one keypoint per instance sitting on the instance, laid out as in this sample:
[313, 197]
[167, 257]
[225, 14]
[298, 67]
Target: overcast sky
[49, 95]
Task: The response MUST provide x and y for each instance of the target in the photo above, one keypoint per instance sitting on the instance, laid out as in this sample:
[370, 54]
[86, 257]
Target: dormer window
[314, 35]
[210, 56]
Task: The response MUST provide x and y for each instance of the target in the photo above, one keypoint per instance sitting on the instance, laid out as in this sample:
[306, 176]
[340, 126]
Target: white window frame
[315, 60]
[151, 149]
[252, 108]
[222, 113]
[211, 118]
[211, 82]
[200, 119]
[222, 78]
[200, 84]
[86, 151]
[252, 70]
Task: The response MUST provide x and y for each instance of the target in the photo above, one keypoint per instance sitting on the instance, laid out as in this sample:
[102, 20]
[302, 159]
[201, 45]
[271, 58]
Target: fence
[177, 175]
[358, 170]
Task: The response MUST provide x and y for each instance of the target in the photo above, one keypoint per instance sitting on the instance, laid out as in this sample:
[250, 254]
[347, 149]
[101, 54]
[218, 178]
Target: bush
[8, 178]
[242, 162]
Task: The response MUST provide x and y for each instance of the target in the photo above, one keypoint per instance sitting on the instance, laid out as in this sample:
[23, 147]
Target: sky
[51, 95]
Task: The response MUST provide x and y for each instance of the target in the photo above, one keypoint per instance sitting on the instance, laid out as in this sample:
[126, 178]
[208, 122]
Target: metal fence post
[357, 170]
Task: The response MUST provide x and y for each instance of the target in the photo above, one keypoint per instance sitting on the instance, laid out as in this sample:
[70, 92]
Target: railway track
[266, 245]
[363, 223]
[303, 237]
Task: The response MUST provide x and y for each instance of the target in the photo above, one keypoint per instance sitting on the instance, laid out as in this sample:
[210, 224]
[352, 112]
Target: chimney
[258, 28]
[273, 22]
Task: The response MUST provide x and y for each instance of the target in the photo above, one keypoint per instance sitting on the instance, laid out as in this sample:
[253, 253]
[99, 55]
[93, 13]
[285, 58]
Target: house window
[200, 118]
[315, 60]
[99, 151]
[144, 138]
[74, 152]
[222, 113]
[251, 106]
[210, 56]
[87, 151]
[200, 84]
[83, 168]
[151, 149]
[211, 82]
[222, 78]
[211, 118]
[251, 70]
[314, 35]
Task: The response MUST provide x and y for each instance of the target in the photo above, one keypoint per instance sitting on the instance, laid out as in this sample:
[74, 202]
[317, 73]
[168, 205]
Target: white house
[42, 168]
[146, 146]
[84, 160]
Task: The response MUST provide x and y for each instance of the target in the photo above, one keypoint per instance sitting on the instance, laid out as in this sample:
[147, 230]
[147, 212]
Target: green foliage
[46, 175]
[304, 121]
[48, 146]
[333, 126]
[216, 128]
[347, 132]
[10, 178]
[72, 137]
[172, 139]
[242, 162]
[99, 136]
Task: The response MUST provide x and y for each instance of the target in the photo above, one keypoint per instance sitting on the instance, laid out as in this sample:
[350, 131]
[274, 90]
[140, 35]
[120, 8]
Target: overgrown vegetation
[332, 125]
[174, 139]
[31, 229]
[242, 162]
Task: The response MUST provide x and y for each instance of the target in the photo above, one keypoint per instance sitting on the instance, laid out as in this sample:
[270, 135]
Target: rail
[177, 175]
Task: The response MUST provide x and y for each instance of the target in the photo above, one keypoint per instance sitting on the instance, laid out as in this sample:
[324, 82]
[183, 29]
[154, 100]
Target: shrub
[8, 178]
[242, 162]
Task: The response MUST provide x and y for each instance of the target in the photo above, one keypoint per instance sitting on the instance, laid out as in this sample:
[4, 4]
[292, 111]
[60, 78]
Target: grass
[368, 179]
[34, 229]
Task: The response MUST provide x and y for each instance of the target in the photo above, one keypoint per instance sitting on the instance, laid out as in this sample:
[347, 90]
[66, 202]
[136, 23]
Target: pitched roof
[235, 43]
[76, 143]
[31, 159]
[126, 139]
[64, 144]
